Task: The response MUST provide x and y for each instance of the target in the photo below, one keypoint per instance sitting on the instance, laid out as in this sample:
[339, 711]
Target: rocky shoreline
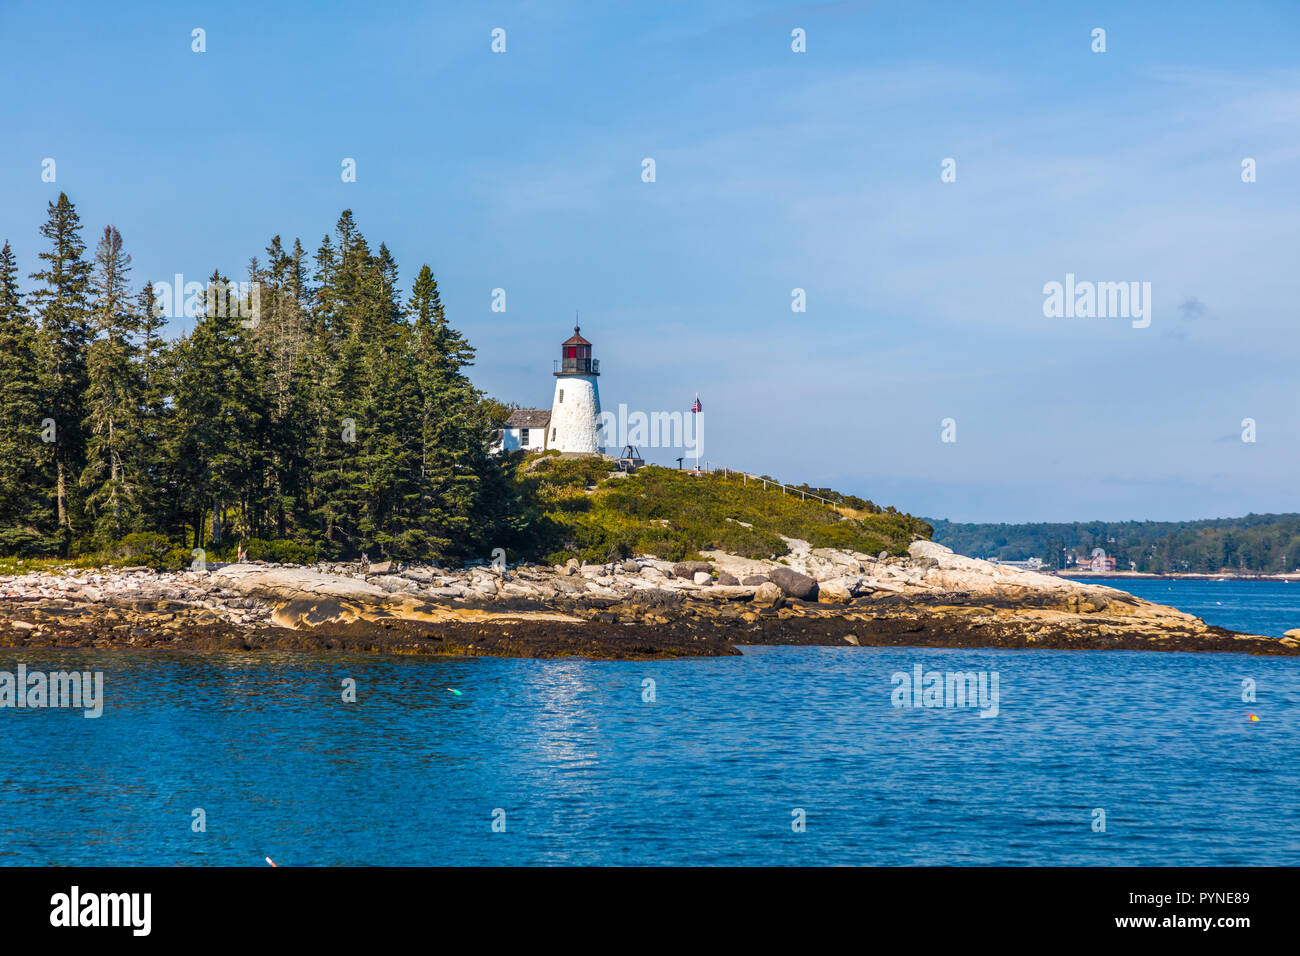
[638, 609]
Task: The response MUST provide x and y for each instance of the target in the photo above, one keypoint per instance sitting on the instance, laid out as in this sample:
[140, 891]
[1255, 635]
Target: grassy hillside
[674, 514]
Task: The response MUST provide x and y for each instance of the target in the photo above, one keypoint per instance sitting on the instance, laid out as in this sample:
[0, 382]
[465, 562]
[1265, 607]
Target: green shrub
[176, 559]
[81, 547]
[27, 543]
[144, 547]
[273, 551]
[280, 551]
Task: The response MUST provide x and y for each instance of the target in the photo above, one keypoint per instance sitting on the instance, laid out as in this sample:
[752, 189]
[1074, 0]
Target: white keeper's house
[572, 426]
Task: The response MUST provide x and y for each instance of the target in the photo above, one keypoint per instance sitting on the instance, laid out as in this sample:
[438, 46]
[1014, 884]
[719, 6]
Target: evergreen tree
[281, 343]
[337, 426]
[329, 401]
[390, 450]
[63, 309]
[159, 497]
[26, 518]
[218, 413]
[114, 398]
[469, 502]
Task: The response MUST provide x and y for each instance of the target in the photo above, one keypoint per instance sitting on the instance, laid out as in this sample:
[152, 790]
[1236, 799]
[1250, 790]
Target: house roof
[529, 418]
[575, 339]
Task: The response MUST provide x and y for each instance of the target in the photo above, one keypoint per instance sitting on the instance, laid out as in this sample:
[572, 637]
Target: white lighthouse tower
[575, 412]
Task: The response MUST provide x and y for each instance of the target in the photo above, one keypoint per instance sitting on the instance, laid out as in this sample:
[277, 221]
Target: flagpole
[697, 432]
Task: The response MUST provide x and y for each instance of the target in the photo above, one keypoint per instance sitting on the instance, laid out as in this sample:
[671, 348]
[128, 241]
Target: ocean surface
[1270, 608]
[783, 756]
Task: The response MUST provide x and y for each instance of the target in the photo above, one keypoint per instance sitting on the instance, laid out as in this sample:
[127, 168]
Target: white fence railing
[746, 477]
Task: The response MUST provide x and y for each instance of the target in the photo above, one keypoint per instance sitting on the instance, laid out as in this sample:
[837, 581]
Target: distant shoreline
[1188, 576]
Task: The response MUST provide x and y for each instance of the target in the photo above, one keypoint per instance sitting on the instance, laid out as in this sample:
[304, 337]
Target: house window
[523, 437]
[552, 434]
[561, 396]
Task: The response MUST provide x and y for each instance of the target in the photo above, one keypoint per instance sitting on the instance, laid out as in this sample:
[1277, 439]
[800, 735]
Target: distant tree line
[1266, 543]
[330, 414]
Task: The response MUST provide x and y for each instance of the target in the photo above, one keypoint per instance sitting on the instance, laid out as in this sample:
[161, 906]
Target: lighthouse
[575, 411]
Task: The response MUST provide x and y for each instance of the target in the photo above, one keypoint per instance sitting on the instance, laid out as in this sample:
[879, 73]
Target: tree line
[328, 413]
[1263, 543]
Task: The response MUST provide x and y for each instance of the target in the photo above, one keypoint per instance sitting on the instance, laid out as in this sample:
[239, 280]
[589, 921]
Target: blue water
[710, 772]
[1270, 608]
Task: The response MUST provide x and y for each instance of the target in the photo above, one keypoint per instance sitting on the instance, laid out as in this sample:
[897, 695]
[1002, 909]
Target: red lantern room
[575, 357]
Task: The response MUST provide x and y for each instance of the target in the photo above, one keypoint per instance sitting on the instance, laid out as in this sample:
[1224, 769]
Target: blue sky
[775, 170]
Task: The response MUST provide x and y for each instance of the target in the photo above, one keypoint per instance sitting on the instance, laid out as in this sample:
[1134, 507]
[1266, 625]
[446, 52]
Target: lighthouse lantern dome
[575, 356]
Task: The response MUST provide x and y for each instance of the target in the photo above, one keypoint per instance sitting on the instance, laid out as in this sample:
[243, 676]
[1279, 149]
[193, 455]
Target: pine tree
[158, 494]
[114, 398]
[324, 394]
[468, 500]
[26, 518]
[281, 341]
[391, 447]
[336, 425]
[218, 413]
[63, 311]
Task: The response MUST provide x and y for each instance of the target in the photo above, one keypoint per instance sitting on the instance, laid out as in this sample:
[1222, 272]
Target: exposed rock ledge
[641, 608]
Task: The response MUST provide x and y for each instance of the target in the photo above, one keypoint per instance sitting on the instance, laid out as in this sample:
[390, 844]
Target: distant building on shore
[1099, 561]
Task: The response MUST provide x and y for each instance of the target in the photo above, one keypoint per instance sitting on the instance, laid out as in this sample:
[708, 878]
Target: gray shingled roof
[529, 418]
